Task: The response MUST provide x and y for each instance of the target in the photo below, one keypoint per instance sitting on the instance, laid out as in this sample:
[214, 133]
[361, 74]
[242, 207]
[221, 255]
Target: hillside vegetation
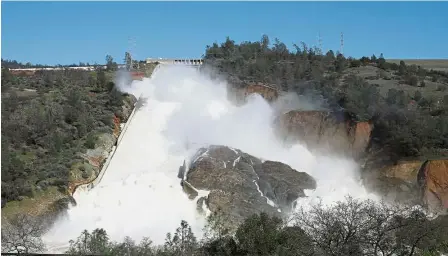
[407, 104]
[436, 64]
[49, 120]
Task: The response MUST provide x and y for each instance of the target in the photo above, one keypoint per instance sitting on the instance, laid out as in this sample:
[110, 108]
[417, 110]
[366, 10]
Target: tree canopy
[407, 125]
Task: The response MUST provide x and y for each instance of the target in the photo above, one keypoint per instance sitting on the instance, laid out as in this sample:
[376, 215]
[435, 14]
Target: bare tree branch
[22, 235]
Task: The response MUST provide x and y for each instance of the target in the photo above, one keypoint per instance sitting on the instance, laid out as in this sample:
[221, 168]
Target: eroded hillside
[58, 128]
[382, 114]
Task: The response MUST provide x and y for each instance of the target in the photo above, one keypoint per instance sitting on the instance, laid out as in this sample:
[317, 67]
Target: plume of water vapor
[123, 80]
[292, 101]
[140, 193]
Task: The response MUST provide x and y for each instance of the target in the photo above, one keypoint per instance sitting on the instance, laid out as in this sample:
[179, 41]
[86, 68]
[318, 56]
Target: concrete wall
[191, 62]
[98, 179]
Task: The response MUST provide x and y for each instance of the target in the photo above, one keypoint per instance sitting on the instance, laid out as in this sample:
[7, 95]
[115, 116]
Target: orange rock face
[324, 130]
[397, 183]
[320, 129]
[116, 126]
[434, 179]
[361, 137]
[95, 162]
[23, 72]
[74, 185]
[417, 182]
[406, 171]
[306, 126]
[135, 75]
[267, 92]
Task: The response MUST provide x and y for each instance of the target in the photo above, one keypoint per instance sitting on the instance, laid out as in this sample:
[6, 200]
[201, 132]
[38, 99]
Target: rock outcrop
[326, 131]
[240, 184]
[433, 179]
[240, 90]
[361, 137]
[322, 130]
[413, 182]
[267, 92]
[397, 183]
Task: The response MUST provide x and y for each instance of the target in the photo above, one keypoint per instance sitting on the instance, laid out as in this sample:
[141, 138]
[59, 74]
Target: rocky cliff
[238, 94]
[433, 180]
[415, 182]
[323, 130]
[330, 132]
[239, 185]
[268, 92]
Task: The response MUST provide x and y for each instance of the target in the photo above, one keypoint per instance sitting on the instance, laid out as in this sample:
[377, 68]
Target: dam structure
[166, 61]
[179, 110]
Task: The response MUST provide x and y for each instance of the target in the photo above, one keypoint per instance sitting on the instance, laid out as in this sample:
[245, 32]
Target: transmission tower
[132, 44]
[130, 52]
[342, 44]
[319, 40]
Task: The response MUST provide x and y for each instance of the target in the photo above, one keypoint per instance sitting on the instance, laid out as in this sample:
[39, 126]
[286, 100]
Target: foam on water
[140, 194]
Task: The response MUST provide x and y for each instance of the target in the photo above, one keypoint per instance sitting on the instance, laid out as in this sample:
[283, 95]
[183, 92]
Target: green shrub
[85, 175]
[355, 63]
[110, 86]
[441, 88]
[412, 80]
[90, 141]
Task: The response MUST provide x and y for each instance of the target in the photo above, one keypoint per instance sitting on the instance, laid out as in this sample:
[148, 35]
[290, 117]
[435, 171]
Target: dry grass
[436, 64]
[372, 76]
[32, 206]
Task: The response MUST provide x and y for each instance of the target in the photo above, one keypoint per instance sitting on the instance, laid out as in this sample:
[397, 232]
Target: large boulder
[240, 184]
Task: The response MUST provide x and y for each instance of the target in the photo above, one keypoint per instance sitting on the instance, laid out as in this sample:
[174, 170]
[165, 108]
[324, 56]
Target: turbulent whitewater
[183, 110]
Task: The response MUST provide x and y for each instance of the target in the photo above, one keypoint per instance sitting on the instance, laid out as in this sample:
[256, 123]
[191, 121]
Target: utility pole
[319, 39]
[129, 51]
[342, 44]
[132, 42]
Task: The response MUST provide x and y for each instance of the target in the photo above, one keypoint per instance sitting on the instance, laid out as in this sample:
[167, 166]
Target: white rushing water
[140, 194]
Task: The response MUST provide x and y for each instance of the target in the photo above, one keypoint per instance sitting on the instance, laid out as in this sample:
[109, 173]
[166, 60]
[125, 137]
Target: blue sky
[69, 32]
